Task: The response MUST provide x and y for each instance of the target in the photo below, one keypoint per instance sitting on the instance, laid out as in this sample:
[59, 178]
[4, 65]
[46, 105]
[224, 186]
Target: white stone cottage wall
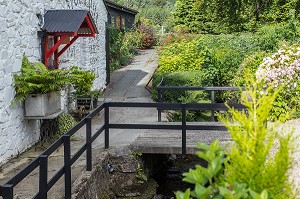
[19, 25]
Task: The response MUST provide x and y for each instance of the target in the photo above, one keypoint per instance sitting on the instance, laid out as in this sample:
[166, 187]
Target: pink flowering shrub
[282, 69]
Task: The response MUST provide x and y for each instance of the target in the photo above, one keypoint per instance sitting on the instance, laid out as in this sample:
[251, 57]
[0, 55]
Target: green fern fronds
[36, 78]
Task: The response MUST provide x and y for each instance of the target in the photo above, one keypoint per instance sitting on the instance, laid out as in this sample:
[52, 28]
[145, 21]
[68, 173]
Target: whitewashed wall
[18, 34]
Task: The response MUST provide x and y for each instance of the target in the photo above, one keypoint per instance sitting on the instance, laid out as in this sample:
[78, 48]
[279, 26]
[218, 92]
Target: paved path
[128, 85]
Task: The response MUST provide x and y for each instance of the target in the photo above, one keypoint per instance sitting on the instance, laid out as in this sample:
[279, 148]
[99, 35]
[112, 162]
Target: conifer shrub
[256, 163]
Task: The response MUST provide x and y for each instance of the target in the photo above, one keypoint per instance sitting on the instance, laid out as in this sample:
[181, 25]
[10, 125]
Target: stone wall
[116, 174]
[20, 20]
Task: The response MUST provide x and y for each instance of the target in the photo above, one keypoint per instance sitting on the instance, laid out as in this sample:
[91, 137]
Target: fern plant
[36, 78]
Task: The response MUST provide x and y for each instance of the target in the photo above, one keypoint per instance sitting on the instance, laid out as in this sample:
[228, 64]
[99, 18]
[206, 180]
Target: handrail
[205, 88]
[161, 88]
[162, 81]
[42, 160]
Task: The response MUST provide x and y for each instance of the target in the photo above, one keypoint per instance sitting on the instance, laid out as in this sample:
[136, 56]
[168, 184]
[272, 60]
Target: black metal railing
[162, 88]
[45, 184]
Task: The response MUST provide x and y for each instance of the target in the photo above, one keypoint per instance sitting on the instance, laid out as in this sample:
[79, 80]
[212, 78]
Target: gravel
[295, 172]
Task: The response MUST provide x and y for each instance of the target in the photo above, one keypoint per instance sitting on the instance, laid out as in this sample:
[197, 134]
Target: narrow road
[128, 84]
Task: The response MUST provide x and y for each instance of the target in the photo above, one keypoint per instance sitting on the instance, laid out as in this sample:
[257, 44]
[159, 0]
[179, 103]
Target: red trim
[56, 45]
[86, 35]
[60, 37]
[56, 53]
[88, 20]
[60, 34]
[46, 51]
[67, 46]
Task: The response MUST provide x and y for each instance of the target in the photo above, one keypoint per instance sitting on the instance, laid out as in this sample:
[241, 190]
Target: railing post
[67, 166]
[159, 100]
[88, 121]
[8, 191]
[183, 112]
[43, 180]
[212, 101]
[160, 94]
[106, 120]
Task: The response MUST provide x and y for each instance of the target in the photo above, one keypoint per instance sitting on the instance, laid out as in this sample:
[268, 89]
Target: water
[167, 171]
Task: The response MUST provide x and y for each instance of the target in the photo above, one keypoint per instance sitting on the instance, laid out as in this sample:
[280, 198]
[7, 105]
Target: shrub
[282, 68]
[215, 60]
[269, 37]
[181, 56]
[248, 68]
[259, 150]
[148, 35]
[256, 154]
[122, 46]
[171, 38]
[81, 80]
[208, 180]
[184, 78]
[52, 129]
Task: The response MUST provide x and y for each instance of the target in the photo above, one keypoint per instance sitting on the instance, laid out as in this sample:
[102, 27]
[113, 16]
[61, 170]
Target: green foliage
[184, 78]
[81, 80]
[140, 175]
[36, 78]
[269, 37]
[207, 60]
[248, 68]
[210, 181]
[259, 151]
[256, 154]
[220, 60]
[122, 46]
[65, 122]
[180, 56]
[217, 57]
[156, 12]
[52, 129]
[192, 97]
[229, 16]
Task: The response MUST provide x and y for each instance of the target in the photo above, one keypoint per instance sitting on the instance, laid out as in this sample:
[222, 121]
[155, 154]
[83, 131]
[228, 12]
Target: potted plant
[39, 88]
[82, 81]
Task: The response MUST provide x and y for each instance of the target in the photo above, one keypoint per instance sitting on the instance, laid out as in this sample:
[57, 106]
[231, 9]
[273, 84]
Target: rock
[128, 170]
[158, 196]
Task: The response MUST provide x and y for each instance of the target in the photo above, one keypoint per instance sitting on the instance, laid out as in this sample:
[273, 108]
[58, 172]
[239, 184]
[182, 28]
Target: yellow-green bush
[181, 56]
[256, 164]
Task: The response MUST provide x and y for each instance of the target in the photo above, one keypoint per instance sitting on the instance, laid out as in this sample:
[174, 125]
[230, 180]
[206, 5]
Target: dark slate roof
[66, 21]
[119, 7]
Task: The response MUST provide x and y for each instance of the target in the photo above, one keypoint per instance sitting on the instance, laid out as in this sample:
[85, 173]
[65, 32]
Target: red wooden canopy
[65, 26]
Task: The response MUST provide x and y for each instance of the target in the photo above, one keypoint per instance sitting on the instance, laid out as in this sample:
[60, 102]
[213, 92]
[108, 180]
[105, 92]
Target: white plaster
[19, 26]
